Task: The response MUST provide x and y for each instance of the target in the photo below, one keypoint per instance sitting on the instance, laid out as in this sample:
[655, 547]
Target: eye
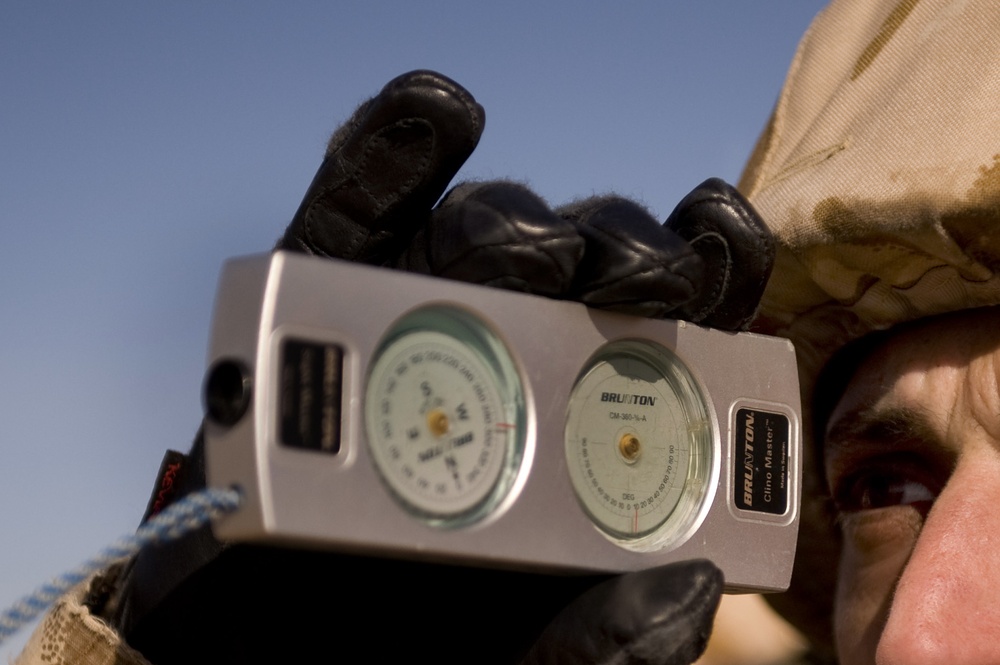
[884, 483]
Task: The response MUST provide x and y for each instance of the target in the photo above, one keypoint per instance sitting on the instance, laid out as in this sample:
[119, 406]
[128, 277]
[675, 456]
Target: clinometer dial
[638, 443]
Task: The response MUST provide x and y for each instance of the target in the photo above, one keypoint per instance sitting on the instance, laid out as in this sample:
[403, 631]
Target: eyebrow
[872, 423]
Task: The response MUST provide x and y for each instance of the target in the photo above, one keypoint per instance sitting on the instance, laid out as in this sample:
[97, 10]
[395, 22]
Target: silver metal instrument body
[400, 415]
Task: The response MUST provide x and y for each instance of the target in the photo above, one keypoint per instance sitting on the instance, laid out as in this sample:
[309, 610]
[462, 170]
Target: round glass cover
[445, 416]
[638, 444]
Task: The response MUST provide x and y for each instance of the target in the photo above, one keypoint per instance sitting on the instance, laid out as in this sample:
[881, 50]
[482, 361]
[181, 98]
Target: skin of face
[912, 458]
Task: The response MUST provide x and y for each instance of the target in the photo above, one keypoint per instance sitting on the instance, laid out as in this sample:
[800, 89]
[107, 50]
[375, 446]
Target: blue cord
[190, 513]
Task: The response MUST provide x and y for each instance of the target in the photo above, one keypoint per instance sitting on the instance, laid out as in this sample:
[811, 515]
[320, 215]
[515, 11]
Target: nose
[946, 608]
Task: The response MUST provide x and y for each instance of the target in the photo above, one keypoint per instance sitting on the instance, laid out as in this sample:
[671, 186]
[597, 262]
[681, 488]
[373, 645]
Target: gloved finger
[497, 234]
[631, 263]
[385, 168]
[659, 616]
[737, 248]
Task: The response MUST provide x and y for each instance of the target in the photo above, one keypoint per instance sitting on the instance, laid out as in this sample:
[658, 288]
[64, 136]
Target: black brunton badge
[761, 462]
[310, 395]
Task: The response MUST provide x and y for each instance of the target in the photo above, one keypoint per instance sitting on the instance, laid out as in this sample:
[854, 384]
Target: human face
[912, 456]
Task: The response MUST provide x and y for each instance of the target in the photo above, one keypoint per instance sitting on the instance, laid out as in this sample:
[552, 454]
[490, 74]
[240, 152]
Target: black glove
[372, 200]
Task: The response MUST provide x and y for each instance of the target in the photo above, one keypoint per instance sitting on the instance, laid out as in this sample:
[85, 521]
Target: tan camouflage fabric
[70, 635]
[880, 175]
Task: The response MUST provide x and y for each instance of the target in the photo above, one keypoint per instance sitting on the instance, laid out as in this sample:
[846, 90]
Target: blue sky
[141, 144]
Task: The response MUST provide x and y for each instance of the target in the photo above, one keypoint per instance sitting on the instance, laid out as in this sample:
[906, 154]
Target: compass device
[366, 410]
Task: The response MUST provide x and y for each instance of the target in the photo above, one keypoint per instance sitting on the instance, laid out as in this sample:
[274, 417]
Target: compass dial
[638, 443]
[444, 413]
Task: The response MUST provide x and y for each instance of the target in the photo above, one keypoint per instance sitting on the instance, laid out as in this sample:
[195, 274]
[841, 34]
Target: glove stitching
[314, 209]
[353, 174]
[647, 257]
[608, 285]
[381, 205]
[313, 247]
[309, 247]
[720, 280]
[536, 247]
[470, 106]
[540, 247]
[749, 221]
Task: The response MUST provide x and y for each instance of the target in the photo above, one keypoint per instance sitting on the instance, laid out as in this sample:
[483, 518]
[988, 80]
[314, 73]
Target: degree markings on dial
[625, 393]
[432, 374]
